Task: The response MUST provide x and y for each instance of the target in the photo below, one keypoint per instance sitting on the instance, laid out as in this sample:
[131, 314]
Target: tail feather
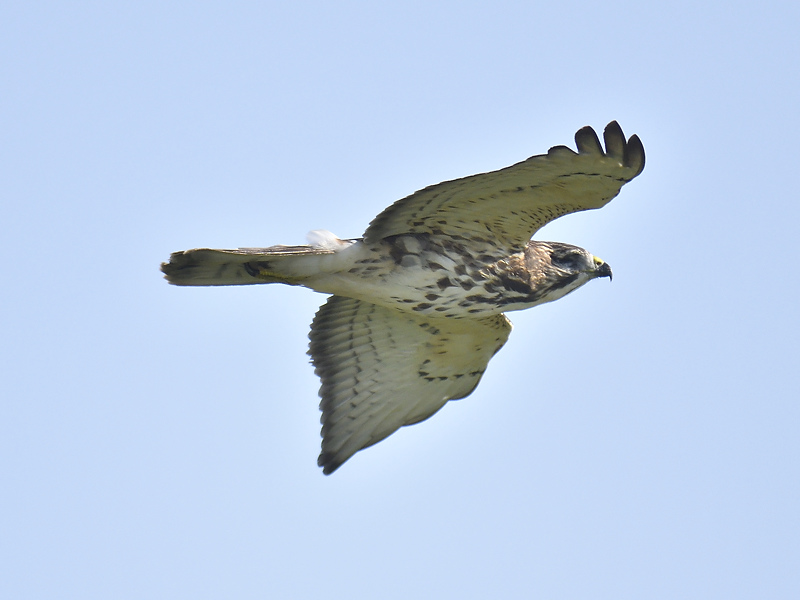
[245, 266]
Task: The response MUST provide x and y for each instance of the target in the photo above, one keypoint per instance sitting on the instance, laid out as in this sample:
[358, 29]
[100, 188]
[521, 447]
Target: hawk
[417, 305]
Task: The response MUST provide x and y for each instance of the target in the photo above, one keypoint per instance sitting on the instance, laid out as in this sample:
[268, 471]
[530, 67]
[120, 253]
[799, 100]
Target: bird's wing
[509, 205]
[382, 369]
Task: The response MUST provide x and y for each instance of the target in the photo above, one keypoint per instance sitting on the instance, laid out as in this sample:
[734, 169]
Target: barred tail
[245, 266]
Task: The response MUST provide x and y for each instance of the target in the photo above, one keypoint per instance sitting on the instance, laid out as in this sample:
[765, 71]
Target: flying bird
[417, 305]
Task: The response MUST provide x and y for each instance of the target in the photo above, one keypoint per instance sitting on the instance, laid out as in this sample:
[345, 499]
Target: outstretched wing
[382, 369]
[508, 206]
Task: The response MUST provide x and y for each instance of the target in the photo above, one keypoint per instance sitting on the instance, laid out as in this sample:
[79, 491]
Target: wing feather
[511, 204]
[382, 369]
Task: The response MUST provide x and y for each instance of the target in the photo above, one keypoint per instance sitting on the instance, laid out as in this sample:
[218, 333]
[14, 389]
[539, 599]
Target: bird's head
[571, 260]
[558, 269]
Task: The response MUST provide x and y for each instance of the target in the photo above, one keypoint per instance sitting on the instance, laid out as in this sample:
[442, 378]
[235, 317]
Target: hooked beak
[602, 269]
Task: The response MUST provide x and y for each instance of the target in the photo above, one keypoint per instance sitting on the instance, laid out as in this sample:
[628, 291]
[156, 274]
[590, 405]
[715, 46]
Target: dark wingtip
[615, 141]
[630, 153]
[634, 154]
[587, 141]
[328, 464]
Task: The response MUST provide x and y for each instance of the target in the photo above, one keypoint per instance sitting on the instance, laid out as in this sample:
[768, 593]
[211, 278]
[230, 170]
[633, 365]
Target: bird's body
[425, 274]
[417, 305]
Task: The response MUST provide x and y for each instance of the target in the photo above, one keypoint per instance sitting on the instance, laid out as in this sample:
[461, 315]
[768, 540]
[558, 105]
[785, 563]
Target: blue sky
[636, 439]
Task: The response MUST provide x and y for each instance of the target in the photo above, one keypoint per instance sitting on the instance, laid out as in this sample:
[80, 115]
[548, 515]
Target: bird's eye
[569, 260]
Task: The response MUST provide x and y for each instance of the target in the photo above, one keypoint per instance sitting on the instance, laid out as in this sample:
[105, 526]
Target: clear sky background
[637, 439]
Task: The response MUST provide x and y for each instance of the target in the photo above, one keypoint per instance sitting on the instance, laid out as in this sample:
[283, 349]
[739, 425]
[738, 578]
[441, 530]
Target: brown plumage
[417, 305]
